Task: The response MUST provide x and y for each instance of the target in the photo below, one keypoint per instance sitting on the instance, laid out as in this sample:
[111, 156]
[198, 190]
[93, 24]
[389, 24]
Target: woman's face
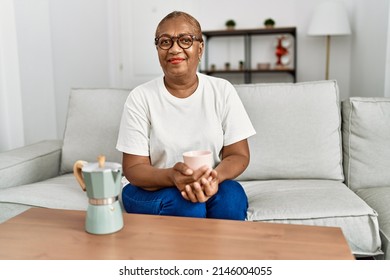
[177, 62]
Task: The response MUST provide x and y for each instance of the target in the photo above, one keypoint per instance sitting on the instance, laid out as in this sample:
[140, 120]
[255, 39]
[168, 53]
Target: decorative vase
[280, 51]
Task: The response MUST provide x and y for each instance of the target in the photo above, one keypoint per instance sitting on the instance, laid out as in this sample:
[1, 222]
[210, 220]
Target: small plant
[230, 24]
[241, 65]
[269, 23]
[227, 66]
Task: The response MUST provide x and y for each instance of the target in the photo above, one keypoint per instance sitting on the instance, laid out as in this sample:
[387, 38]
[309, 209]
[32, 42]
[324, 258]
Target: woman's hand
[235, 158]
[202, 190]
[183, 175]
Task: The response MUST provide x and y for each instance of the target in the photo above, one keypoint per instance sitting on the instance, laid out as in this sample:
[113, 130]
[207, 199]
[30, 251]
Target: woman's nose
[175, 47]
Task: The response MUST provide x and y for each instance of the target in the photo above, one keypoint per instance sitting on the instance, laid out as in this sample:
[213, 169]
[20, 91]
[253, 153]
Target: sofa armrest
[30, 164]
[366, 138]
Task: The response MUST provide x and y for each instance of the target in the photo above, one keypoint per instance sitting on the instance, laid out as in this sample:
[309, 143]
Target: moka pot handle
[77, 172]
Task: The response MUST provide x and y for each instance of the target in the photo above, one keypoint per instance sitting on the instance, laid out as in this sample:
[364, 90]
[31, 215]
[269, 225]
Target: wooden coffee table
[59, 234]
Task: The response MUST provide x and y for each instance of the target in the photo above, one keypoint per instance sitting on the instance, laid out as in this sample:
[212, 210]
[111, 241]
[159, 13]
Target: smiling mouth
[176, 60]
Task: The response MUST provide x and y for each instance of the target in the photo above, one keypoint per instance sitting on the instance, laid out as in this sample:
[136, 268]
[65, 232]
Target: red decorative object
[280, 51]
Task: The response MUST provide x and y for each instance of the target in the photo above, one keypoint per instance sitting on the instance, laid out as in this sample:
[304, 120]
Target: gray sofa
[314, 160]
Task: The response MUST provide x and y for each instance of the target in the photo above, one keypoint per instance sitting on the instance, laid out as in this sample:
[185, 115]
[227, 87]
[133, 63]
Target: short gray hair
[176, 14]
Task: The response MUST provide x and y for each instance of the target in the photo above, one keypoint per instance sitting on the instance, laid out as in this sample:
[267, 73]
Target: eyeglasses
[184, 41]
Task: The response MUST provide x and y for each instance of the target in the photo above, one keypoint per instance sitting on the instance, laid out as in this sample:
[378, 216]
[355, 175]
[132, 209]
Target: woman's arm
[235, 159]
[139, 171]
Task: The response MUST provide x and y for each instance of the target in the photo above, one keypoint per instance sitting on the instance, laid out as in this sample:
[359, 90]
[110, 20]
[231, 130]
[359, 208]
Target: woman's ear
[201, 49]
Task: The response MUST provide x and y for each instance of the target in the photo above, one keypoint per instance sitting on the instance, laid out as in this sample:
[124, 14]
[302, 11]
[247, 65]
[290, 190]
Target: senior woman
[180, 111]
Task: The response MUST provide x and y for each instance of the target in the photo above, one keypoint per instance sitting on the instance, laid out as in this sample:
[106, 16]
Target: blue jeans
[230, 202]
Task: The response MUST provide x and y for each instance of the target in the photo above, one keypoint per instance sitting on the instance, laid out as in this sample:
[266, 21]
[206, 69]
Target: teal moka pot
[102, 181]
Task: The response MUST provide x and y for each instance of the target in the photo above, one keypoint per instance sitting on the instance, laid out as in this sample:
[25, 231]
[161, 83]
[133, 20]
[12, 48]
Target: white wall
[36, 69]
[11, 112]
[80, 41]
[368, 64]
[48, 47]
[387, 71]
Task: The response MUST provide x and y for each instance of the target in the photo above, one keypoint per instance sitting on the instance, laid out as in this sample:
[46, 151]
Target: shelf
[247, 35]
[257, 31]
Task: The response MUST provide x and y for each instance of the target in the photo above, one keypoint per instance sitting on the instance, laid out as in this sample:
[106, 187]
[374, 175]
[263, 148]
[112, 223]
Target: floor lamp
[329, 19]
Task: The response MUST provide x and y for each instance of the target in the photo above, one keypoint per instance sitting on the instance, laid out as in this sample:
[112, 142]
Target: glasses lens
[185, 41]
[165, 42]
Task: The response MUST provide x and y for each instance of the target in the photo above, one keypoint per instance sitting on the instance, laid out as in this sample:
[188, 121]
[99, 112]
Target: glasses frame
[176, 39]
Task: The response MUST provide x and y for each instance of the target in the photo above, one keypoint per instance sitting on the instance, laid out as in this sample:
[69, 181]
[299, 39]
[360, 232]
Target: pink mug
[197, 159]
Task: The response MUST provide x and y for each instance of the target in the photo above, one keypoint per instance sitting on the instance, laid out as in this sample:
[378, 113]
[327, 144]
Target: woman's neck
[181, 88]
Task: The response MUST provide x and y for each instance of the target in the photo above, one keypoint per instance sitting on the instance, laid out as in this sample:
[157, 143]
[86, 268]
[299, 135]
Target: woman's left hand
[204, 189]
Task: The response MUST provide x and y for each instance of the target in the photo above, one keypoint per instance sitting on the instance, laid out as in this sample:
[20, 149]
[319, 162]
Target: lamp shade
[329, 18]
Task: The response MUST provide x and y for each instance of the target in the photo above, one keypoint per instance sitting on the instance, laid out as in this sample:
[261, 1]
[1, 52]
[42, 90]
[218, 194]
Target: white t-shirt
[159, 125]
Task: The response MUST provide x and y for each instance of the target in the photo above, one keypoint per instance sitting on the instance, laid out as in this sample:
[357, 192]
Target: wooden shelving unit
[247, 35]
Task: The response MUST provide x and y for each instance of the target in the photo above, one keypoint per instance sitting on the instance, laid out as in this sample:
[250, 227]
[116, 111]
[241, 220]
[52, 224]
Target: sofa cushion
[366, 142]
[62, 192]
[35, 162]
[379, 198]
[298, 131]
[92, 126]
[319, 203]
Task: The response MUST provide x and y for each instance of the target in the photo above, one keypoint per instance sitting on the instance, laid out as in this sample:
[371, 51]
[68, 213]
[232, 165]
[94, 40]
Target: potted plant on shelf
[230, 24]
[269, 23]
[241, 65]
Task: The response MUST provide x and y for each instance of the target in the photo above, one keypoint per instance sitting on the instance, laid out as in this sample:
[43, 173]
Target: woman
[182, 111]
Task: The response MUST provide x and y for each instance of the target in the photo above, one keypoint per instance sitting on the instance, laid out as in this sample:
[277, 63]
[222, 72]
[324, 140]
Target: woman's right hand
[183, 175]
